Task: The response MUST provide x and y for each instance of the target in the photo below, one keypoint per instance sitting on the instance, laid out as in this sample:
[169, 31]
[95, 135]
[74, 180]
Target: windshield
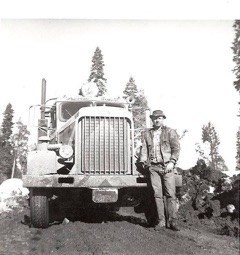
[68, 109]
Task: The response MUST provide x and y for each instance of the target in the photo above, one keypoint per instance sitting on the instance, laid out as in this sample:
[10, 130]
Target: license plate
[105, 195]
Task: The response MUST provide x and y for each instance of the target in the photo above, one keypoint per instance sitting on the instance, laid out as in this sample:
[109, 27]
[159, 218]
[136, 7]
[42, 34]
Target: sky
[183, 66]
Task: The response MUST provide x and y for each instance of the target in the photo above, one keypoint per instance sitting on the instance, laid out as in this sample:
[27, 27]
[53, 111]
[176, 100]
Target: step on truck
[85, 151]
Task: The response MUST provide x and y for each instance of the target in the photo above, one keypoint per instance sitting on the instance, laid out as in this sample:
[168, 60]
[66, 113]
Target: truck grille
[104, 146]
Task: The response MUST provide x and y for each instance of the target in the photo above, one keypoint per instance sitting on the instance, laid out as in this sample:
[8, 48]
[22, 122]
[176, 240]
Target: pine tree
[238, 151]
[236, 83]
[97, 73]
[138, 108]
[203, 152]
[6, 149]
[236, 53]
[7, 125]
[20, 144]
[131, 88]
[209, 135]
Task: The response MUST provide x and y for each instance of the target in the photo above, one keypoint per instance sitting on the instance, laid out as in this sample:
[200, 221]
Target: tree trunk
[13, 167]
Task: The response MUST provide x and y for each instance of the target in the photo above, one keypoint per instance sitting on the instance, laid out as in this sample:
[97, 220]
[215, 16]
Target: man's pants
[163, 185]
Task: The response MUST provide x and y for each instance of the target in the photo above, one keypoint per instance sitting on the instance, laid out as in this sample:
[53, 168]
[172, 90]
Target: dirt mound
[209, 198]
[110, 234]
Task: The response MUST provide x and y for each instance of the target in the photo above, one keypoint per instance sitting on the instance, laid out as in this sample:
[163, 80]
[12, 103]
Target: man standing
[159, 154]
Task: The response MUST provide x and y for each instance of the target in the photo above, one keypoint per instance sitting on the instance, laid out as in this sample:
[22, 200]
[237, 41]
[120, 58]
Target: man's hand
[169, 167]
[143, 164]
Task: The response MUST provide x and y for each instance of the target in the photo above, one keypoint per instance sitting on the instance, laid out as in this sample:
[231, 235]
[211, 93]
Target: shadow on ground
[88, 215]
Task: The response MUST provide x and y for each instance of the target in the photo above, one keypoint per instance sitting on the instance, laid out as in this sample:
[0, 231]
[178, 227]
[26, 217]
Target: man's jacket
[169, 146]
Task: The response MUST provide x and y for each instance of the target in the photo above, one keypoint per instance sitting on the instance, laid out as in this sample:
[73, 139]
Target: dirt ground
[124, 232]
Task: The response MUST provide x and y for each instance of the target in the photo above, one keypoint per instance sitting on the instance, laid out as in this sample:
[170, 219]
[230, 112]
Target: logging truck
[85, 151]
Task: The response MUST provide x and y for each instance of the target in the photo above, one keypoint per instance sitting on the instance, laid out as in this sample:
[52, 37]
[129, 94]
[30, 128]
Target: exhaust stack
[42, 122]
[43, 98]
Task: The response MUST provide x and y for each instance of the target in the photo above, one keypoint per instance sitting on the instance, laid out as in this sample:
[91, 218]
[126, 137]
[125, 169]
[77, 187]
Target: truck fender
[42, 162]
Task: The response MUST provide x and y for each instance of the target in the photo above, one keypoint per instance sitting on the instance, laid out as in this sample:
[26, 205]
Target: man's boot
[173, 225]
[172, 210]
[160, 210]
[161, 224]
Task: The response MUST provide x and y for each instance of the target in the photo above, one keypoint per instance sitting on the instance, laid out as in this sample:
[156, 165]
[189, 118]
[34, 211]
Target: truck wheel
[39, 208]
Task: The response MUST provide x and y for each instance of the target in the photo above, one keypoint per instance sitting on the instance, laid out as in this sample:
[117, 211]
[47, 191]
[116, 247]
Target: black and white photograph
[119, 130]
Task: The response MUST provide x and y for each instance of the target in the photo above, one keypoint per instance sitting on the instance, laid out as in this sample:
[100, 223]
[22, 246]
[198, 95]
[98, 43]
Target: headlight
[66, 151]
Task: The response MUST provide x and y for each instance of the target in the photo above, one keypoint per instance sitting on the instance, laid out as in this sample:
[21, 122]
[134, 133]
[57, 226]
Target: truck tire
[39, 208]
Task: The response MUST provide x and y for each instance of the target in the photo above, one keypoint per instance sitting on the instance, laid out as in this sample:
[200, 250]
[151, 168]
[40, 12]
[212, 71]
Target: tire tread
[39, 208]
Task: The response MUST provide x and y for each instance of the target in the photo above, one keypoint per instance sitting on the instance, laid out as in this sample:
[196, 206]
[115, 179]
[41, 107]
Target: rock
[230, 208]
[65, 221]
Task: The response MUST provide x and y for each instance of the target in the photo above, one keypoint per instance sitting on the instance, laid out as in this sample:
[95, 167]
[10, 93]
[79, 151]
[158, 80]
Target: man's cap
[157, 113]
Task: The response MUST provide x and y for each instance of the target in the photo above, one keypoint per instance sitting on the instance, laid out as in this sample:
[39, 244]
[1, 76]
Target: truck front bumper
[80, 181]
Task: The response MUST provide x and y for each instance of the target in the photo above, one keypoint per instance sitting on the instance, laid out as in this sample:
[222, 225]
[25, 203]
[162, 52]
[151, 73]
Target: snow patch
[11, 191]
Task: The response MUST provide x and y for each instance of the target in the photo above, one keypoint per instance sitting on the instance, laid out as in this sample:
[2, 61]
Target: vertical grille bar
[80, 146]
[124, 144]
[104, 145]
[109, 144]
[94, 133]
[99, 146]
[86, 144]
[89, 155]
[114, 145]
[119, 148]
[84, 166]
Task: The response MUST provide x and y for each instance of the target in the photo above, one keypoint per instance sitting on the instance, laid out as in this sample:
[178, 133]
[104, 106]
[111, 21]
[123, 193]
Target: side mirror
[33, 115]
